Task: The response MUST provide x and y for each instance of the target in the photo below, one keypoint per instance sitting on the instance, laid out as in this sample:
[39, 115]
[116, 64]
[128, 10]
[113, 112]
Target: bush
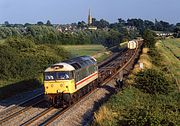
[131, 107]
[148, 117]
[20, 43]
[153, 81]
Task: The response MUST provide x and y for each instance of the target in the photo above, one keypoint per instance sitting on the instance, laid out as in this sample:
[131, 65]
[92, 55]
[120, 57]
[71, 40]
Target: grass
[123, 44]
[2, 41]
[168, 49]
[79, 50]
[173, 45]
[97, 51]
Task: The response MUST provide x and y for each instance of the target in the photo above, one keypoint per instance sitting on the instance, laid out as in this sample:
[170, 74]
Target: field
[97, 51]
[79, 50]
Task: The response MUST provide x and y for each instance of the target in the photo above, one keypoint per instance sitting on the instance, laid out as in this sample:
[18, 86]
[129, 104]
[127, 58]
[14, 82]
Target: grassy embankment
[132, 106]
[171, 52]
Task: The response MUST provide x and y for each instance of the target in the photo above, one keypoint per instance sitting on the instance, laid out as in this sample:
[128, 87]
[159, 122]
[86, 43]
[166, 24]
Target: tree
[94, 21]
[149, 38]
[113, 39]
[81, 24]
[48, 23]
[100, 24]
[121, 21]
[148, 24]
[178, 24]
[103, 23]
[6, 23]
[27, 24]
[40, 23]
[177, 32]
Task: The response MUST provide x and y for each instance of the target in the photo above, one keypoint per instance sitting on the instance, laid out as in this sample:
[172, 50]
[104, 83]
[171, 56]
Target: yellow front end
[59, 86]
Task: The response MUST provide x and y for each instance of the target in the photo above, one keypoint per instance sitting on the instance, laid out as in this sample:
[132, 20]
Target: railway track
[108, 70]
[18, 109]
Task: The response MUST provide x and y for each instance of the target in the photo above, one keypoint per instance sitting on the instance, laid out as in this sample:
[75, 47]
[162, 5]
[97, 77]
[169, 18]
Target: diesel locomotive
[66, 81]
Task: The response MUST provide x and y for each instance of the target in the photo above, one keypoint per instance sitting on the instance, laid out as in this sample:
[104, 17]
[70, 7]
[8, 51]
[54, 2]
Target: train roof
[80, 62]
[60, 67]
[72, 64]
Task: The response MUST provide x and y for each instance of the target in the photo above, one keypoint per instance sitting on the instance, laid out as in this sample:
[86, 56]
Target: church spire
[89, 18]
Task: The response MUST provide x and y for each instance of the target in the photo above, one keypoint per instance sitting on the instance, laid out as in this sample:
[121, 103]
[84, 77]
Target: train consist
[67, 81]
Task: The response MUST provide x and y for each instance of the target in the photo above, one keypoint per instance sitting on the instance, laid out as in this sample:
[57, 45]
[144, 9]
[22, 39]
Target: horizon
[44, 22]
[67, 12]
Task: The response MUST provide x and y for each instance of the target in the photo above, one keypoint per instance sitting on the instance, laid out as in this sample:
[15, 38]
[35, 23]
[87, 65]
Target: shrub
[19, 43]
[148, 117]
[153, 81]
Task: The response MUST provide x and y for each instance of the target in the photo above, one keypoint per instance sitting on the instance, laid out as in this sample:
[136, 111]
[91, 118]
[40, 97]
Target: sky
[70, 11]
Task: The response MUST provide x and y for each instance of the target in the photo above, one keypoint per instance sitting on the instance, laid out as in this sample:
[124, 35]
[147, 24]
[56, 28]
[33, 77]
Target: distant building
[163, 34]
[92, 28]
[89, 18]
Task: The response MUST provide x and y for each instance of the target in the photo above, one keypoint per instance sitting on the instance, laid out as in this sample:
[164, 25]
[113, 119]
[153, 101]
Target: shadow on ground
[12, 94]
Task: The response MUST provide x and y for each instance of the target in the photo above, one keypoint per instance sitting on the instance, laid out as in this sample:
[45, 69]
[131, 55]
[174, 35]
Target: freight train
[67, 81]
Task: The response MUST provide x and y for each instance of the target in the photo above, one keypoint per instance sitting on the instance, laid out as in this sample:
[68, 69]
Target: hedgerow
[153, 81]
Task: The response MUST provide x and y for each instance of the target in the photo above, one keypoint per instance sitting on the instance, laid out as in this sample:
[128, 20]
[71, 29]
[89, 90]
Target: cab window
[50, 76]
[64, 75]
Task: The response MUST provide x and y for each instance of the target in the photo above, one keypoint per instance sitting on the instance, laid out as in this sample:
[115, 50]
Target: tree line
[49, 35]
[108, 34]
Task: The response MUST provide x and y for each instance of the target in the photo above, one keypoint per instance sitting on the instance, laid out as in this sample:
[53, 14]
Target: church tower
[89, 18]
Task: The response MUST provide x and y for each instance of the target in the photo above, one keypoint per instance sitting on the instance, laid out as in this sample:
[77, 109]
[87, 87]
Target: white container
[132, 44]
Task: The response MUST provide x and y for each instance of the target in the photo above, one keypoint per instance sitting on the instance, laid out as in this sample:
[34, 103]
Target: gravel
[18, 99]
[82, 112]
[23, 117]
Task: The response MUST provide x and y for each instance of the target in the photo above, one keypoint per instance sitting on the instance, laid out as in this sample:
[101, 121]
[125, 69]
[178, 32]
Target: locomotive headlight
[52, 85]
[66, 86]
[61, 85]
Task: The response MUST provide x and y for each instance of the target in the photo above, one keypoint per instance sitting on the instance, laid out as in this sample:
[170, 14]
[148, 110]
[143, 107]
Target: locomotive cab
[59, 79]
